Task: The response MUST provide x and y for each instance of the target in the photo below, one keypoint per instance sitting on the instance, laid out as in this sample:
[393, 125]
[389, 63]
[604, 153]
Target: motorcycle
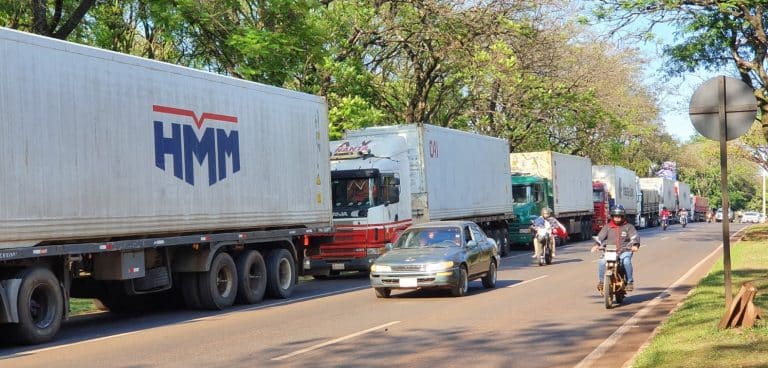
[547, 239]
[683, 220]
[664, 223]
[615, 278]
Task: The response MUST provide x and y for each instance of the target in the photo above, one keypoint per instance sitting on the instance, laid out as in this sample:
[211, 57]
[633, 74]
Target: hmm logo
[213, 146]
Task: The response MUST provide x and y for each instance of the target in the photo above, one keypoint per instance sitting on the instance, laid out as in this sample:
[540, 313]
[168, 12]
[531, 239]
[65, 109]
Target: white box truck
[684, 197]
[386, 178]
[123, 178]
[615, 186]
[550, 179]
[666, 189]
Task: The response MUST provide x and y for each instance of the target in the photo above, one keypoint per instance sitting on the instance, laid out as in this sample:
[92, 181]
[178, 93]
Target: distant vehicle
[751, 217]
[437, 255]
[719, 215]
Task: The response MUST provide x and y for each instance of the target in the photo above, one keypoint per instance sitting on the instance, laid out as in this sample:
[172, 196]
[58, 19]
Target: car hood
[420, 255]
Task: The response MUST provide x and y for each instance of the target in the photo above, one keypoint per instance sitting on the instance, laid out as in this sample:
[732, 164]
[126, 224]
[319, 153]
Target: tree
[57, 20]
[712, 35]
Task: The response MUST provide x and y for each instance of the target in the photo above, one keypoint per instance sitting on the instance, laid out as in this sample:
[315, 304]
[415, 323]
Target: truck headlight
[381, 268]
[374, 251]
[440, 266]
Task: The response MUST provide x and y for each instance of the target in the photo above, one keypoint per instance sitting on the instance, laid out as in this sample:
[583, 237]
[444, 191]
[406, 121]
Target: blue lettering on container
[187, 149]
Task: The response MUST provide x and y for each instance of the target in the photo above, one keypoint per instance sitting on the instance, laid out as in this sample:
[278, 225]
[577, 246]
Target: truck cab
[602, 205]
[370, 204]
[529, 195]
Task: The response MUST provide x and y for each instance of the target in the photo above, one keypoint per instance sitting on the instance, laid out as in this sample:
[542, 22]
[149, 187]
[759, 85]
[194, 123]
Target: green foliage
[349, 113]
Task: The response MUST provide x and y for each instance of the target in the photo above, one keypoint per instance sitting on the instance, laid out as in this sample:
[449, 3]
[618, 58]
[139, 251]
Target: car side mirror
[389, 246]
[472, 244]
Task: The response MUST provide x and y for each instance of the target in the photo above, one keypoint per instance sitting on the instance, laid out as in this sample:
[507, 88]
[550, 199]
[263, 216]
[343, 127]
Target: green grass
[690, 337]
[81, 306]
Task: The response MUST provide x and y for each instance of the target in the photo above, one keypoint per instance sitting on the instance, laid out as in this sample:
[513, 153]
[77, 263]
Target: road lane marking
[665, 238]
[334, 341]
[526, 281]
[608, 344]
[215, 316]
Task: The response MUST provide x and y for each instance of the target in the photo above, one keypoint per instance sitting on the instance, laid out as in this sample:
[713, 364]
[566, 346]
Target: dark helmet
[546, 212]
[618, 211]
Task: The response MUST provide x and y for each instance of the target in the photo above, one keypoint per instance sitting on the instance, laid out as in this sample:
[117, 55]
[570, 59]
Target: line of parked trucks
[136, 182]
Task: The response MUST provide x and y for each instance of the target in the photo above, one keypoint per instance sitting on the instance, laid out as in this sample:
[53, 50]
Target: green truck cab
[529, 195]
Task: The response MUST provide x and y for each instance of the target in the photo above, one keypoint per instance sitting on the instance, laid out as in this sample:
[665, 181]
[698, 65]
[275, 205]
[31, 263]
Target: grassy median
[690, 337]
[81, 306]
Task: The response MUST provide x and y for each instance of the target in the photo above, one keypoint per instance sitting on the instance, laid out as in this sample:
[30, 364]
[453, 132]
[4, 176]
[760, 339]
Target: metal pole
[724, 191]
[763, 171]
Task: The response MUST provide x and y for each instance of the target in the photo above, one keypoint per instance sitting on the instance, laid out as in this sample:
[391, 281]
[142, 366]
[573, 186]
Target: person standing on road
[619, 233]
[557, 229]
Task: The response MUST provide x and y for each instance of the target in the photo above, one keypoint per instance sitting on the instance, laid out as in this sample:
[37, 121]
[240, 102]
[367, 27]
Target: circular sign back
[723, 97]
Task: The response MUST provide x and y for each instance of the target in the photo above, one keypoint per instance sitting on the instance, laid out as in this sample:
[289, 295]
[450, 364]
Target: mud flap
[9, 295]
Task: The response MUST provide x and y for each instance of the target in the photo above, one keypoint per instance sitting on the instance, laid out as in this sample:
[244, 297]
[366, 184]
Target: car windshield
[438, 237]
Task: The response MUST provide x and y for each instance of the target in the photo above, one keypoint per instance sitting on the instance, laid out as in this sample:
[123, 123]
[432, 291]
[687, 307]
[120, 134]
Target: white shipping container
[666, 189]
[98, 144]
[453, 174]
[685, 200]
[571, 178]
[621, 183]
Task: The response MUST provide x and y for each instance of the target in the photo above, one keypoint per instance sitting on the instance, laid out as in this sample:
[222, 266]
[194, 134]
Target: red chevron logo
[189, 113]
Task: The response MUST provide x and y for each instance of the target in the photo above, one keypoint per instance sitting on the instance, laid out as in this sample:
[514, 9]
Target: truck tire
[251, 277]
[189, 290]
[505, 241]
[281, 273]
[41, 307]
[218, 286]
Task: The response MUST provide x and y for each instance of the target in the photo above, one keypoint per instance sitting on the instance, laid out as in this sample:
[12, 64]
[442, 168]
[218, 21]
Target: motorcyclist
[620, 232]
[539, 222]
[683, 215]
[665, 215]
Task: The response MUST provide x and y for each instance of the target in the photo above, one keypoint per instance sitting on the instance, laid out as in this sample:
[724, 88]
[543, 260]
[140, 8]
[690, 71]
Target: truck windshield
[520, 193]
[597, 196]
[352, 195]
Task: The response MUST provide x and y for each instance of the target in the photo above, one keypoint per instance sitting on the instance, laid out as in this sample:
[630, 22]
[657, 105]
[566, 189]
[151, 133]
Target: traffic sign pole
[722, 109]
[723, 119]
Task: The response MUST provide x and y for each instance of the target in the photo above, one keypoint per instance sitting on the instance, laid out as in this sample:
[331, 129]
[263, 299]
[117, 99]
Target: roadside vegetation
[691, 338]
[81, 306]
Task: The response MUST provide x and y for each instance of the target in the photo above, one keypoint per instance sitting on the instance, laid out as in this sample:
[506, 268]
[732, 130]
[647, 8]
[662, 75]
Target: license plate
[525, 231]
[408, 282]
[337, 266]
[610, 256]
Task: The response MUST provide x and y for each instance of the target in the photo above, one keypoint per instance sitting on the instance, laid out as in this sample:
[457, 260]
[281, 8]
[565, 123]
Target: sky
[673, 95]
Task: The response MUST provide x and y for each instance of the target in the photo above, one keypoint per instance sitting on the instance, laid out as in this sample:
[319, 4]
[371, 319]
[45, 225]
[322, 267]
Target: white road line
[606, 345]
[216, 316]
[526, 281]
[31, 352]
[517, 256]
[287, 301]
[331, 342]
[665, 238]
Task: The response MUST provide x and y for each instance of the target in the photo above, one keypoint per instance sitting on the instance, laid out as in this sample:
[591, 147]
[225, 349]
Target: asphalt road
[549, 316]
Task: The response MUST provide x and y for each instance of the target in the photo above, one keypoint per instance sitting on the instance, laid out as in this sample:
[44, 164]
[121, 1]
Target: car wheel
[489, 281]
[382, 292]
[462, 284]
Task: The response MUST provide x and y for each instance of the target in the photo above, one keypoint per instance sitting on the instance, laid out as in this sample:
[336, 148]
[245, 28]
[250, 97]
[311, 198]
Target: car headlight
[440, 266]
[380, 268]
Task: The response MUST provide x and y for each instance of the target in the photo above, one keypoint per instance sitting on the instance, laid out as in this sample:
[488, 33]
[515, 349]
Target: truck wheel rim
[254, 276]
[284, 274]
[41, 309]
[224, 281]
